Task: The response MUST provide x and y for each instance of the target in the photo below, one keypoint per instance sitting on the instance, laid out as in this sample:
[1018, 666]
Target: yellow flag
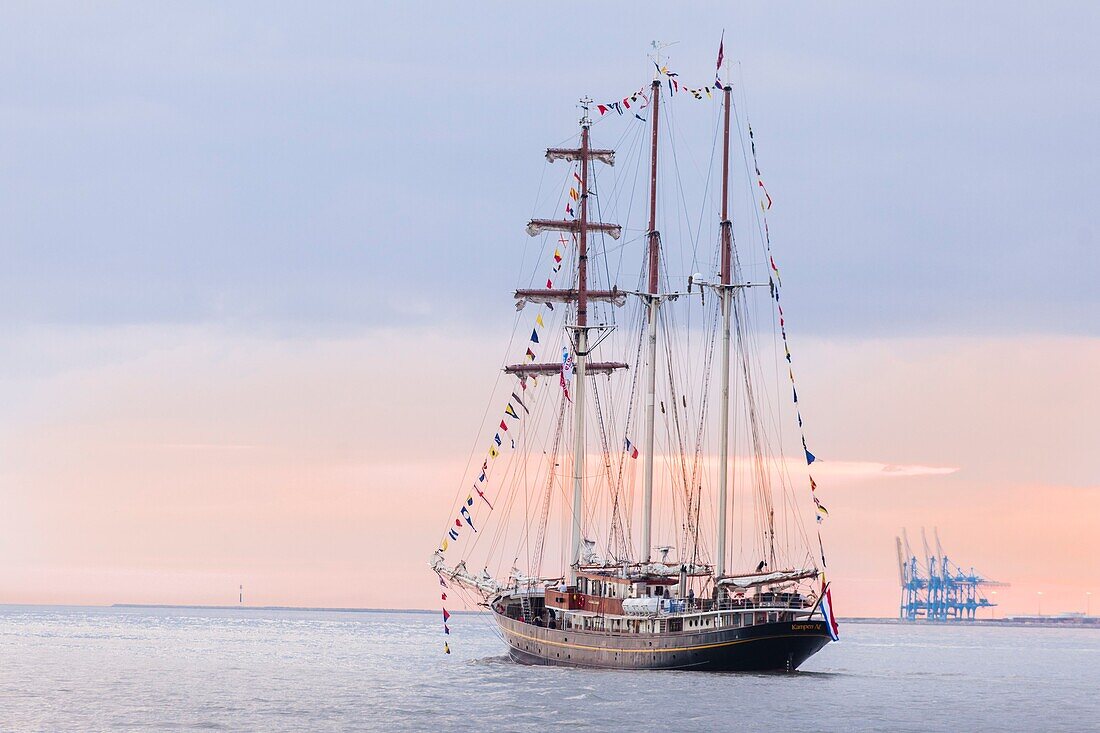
[493, 452]
[444, 545]
[538, 320]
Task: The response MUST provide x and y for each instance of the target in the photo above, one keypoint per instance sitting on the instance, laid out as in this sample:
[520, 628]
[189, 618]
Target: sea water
[131, 669]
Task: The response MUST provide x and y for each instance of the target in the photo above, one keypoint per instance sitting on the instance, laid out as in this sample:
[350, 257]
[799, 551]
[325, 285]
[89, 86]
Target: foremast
[581, 357]
[580, 229]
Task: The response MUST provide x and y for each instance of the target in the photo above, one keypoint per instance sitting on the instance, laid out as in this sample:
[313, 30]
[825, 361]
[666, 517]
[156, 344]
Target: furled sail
[751, 580]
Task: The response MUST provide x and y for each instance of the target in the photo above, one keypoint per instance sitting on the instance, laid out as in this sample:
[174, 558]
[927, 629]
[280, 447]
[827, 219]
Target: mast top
[585, 102]
[657, 47]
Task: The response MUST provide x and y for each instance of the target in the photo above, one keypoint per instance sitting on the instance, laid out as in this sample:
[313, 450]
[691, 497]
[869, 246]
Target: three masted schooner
[615, 604]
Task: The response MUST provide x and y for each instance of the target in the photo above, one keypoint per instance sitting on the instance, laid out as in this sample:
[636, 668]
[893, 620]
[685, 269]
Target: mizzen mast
[727, 294]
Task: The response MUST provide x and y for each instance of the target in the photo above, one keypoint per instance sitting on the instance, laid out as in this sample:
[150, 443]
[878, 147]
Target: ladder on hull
[525, 608]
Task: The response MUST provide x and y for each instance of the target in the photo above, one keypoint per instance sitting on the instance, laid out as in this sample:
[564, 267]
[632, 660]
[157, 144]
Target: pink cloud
[875, 469]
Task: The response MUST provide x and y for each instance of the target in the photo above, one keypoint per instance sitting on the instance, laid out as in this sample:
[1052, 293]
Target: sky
[257, 266]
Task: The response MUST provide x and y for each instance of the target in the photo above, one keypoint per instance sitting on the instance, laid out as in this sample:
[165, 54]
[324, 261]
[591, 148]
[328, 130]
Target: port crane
[935, 588]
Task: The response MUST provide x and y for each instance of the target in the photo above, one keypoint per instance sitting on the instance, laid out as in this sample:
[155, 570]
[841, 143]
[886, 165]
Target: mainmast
[727, 294]
[653, 303]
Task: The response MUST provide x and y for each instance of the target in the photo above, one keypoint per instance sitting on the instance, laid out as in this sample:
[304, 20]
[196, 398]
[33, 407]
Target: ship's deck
[582, 612]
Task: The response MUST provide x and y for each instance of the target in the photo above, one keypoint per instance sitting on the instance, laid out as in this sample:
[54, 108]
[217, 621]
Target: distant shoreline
[1045, 622]
[1050, 622]
[325, 609]
[1060, 622]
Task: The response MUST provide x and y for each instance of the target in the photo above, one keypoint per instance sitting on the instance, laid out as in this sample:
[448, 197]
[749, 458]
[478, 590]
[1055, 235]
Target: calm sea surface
[90, 669]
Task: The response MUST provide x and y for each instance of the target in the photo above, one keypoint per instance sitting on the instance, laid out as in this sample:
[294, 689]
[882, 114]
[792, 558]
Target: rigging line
[573, 141]
[526, 496]
[708, 360]
[681, 207]
[499, 540]
[763, 485]
[687, 489]
[603, 435]
[634, 153]
[544, 239]
[703, 204]
[762, 232]
[613, 477]
[514, 491]
[773, 414]
[603, 242]
[496, 382]
[506, 500]
[694, 237]
[608, 310]
[617, 388]
[506, 479]
[697, 479]
[617, 181]
[470, 546]
[515, 323]
[628, 422]
[544, 516]
[787, 485]
[538, 194]
[690, 488]
[614, 200]
[706, 187]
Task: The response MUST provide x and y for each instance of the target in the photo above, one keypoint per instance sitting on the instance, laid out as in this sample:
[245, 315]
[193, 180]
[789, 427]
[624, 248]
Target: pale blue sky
[281, 169]
[211, 213]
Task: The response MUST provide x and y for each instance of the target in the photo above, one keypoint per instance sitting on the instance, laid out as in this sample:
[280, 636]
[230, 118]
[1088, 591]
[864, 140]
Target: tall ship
[634, 506]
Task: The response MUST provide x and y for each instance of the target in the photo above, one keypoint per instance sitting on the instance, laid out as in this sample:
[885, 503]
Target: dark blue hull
[778, 646]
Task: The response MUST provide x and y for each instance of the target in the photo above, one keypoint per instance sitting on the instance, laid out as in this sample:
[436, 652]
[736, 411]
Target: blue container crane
[935, 588]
